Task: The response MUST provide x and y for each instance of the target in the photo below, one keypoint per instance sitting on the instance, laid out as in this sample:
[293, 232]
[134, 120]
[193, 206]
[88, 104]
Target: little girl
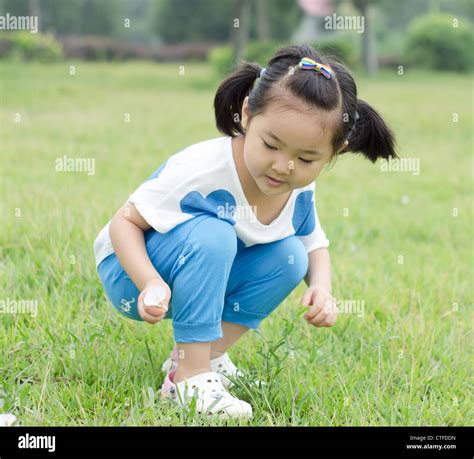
[221, 233]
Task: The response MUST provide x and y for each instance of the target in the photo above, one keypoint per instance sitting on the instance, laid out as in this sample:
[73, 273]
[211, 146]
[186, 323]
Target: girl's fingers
[307, 297]
[326, 320]
[319, 317]
[313, 311]
[318, 305]
[154, 311]
[329, 321]
[146, 316]
[151, 313]
[323, 304]
[151, 319]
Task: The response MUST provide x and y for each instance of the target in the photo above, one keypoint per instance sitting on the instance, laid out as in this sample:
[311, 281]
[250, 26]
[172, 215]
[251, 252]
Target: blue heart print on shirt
[219, 203]
[304, 216]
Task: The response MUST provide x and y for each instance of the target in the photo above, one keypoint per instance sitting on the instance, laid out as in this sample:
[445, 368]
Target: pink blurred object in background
[316, 7]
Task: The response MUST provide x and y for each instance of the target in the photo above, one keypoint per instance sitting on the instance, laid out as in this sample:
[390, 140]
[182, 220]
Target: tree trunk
[369, 52]
[240, 29]
[35, 11]
[262, 20]
[371, 61]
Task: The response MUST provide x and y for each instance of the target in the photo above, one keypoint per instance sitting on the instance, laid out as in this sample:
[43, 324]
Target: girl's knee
[292, 258]
[214, 237]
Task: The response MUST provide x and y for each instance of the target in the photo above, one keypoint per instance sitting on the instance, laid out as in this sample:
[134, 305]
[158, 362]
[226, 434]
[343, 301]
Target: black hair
[368, 135]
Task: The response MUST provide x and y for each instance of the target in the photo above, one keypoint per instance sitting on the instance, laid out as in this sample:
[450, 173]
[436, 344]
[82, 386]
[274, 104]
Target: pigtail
[230, 96]
[370, 135]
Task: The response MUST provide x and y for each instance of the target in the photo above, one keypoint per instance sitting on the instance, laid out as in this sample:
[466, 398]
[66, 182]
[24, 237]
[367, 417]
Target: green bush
[434, 42]
[256, 51]
[29, 46]
[342, 47]
[220, 58]
[261, 51]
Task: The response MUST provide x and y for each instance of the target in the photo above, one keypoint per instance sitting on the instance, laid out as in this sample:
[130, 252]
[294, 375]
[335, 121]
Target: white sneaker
[211, 397]
[221, 365]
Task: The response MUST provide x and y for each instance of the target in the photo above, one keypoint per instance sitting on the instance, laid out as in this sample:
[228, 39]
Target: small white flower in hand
[155, 296]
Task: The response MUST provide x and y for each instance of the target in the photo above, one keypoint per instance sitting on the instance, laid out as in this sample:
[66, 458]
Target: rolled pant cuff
[197, 333]
[246, 319]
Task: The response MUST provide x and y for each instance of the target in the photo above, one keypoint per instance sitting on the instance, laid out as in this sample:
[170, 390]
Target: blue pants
[210, 280]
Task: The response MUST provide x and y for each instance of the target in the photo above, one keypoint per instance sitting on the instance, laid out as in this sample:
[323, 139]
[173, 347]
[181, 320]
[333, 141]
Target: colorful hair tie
[309, 64]
[262, 72]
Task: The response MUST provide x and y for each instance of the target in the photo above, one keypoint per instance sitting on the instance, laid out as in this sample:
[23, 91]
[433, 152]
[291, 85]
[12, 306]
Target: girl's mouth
[272, 182]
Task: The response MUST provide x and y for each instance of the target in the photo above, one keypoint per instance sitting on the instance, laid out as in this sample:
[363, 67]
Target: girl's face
[287, 145]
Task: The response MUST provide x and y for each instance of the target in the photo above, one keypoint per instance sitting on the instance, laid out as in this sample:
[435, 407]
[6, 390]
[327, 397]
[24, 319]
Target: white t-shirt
[203, 179]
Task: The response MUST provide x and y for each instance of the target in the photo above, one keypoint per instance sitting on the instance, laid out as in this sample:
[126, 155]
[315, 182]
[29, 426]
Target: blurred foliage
[341, 46]
[93, 48]
[73, 17]
[397, 14]
[212, 20]
[205, 20]
[168, 21]
[27, 46]
[220, 57]
[261, 51]
[96, 48]
[440, 42]
[284, 17]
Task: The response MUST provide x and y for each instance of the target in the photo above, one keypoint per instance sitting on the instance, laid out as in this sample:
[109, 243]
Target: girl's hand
[322, 306]
[153, 301]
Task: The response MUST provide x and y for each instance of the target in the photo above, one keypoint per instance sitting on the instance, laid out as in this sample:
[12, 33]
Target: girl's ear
[344, 146]
[245, 113]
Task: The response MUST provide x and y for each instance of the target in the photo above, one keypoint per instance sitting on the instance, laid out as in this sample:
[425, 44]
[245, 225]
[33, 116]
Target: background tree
[188, 21]
[240, 29]
[369, 50]
[262, 20]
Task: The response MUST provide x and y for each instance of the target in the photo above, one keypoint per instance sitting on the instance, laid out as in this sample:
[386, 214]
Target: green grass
[405, 362]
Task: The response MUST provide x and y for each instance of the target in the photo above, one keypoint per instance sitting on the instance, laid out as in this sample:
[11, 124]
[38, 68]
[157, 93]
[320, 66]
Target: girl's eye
[274, 148]
[269, 146]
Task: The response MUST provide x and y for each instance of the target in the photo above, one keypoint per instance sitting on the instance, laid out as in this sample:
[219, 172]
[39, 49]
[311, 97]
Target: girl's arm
[319, 269]
[126, 233]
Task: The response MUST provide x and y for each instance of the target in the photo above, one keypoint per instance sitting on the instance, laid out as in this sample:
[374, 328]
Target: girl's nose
[282, 167]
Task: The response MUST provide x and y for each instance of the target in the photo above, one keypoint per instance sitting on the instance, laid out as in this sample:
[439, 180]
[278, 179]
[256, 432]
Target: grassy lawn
[398, 245]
